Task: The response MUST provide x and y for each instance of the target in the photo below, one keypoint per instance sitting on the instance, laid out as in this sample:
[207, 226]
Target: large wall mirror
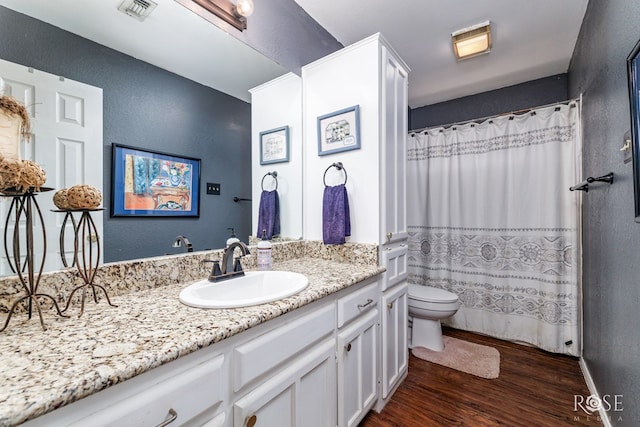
[171, 83]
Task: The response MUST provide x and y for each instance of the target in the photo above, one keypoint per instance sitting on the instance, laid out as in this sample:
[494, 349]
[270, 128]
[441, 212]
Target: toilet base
[427, 333]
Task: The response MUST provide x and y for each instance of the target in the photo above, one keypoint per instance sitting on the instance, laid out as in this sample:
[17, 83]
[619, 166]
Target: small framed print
[339, 131]
[274, 145]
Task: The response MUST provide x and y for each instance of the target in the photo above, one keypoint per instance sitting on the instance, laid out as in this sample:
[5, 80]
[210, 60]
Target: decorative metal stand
[67, 216]
[24, 207]
[84, 230]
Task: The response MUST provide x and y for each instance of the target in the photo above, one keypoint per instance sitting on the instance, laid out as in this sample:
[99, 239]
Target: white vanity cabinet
[316, 366]
[357, 352]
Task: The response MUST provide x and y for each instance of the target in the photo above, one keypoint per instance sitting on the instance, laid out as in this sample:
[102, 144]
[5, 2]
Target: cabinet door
[394, 351]
[394, 259]
[393, 154]
[357, 369]
[301, 395]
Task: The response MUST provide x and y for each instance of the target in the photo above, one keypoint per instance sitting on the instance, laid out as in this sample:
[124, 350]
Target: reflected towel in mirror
[336, 224]
[269, 214]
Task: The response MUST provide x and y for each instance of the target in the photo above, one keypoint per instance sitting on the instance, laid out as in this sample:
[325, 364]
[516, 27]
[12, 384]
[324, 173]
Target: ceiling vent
[138, 9]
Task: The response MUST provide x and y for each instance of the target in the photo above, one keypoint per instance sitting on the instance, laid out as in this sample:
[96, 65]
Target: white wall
[275, 104]
[343, 79]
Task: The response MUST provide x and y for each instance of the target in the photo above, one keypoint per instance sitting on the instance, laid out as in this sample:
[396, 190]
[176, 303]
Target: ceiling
[532, 39]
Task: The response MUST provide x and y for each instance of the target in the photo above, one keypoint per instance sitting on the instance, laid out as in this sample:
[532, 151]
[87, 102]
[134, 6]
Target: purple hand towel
[269, 214]
[336, 224]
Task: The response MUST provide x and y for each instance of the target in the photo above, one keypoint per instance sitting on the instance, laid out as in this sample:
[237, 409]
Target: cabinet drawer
[194, 393]
[395, 260]
[267, 351]
[352, 305]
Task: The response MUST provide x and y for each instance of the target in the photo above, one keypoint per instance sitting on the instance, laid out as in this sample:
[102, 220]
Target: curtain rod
[482, 119]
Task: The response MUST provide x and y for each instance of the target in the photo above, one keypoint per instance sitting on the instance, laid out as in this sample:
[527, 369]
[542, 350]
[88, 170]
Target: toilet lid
[429, 294]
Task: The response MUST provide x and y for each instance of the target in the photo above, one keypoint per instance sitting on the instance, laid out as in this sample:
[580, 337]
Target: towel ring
[338, 166]
[273, 174]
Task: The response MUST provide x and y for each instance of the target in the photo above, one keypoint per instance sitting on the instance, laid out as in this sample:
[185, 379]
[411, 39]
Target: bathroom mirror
[163, 98]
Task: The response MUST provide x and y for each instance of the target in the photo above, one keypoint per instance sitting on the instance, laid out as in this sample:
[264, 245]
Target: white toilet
[427, 306]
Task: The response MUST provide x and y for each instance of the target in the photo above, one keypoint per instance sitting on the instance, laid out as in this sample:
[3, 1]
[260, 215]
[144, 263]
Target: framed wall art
[274, 145]
[150, 183]
[339, 131]
[633, 75]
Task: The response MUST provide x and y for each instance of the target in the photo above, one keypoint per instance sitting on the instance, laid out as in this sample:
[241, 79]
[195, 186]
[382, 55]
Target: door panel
[67, 143]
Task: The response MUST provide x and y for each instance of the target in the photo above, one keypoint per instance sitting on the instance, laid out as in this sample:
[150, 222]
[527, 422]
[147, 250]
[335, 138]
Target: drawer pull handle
[361, 306]
[348, 347]
[390, 306]
[389, 236]
[174, 416]
[251, 421]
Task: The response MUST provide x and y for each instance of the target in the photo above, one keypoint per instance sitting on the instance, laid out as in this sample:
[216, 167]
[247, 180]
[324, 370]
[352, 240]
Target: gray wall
[611, 238]
[512, 98]
[151, 108]
[284, 32]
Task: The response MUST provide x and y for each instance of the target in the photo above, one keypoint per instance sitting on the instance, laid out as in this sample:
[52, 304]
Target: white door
[67, 143]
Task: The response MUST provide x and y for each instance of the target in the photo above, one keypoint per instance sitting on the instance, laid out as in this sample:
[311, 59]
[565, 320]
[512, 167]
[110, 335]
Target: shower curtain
[491, 219]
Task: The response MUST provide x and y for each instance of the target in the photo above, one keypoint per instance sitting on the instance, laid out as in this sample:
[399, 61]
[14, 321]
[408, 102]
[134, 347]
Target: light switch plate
[213, 188]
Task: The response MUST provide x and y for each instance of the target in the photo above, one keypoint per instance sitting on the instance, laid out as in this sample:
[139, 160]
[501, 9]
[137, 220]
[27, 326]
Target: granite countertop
[75, 357]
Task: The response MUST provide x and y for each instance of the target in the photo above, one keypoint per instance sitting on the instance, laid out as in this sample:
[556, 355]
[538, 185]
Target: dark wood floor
[535, 388]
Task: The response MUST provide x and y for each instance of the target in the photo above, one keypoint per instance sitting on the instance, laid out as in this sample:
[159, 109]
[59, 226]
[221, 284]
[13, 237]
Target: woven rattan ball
[60, 199]
[83, 197]
[32, 176]
[10, 172]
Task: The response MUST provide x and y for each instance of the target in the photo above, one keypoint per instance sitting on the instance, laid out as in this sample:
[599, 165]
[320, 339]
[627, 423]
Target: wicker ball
[32, 176]
[83, 197]
[60, 199]
[10, 172]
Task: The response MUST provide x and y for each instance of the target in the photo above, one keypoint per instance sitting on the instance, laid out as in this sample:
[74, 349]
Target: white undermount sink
[255, 287]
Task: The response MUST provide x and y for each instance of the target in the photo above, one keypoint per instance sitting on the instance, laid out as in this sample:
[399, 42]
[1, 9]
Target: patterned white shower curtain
[491, 219]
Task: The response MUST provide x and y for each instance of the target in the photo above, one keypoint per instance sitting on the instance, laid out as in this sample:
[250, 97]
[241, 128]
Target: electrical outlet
[213, 188]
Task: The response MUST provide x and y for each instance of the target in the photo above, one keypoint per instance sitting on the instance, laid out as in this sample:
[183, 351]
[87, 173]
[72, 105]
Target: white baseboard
[604, 417]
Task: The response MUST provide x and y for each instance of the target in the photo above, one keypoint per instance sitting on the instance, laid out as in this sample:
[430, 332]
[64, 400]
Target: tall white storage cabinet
[371, 75]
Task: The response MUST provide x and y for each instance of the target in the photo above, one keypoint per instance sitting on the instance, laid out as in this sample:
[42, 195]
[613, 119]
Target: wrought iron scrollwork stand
[24, 207]
[84, 230]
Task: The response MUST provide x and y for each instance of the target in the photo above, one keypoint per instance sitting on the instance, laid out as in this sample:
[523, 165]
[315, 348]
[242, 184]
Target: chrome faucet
[188, 247]
[227, 259]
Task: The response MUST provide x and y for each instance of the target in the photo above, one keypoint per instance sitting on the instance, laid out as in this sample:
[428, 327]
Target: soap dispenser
[232, 238]
[264, 252]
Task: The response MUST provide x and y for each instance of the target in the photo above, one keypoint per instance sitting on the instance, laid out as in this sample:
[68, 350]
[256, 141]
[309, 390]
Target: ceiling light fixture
[472, 41]
[244, 7]
[233, 12]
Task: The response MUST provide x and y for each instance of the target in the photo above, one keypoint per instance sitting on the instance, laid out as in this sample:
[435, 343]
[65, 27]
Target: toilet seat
[429, 294]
